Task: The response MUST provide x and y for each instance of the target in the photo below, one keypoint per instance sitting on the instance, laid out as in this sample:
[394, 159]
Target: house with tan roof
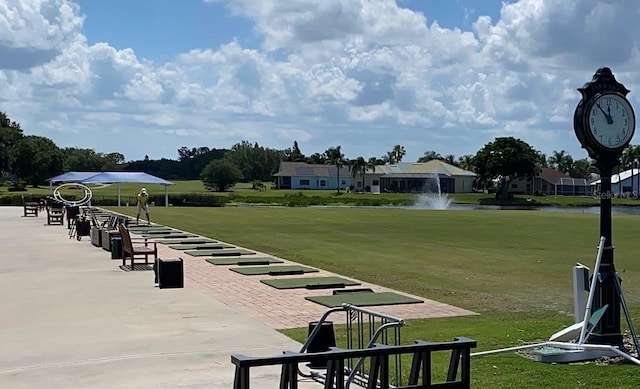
[404, 177]
[551, 182]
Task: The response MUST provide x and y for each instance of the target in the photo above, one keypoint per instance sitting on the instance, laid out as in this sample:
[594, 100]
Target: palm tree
[360, 166]
[336, 158]
[397, 153]
[430, 155]
[560, 161]
[466, 162]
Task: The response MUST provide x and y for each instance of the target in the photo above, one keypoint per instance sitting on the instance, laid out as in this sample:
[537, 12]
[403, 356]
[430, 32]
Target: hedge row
[218, 200]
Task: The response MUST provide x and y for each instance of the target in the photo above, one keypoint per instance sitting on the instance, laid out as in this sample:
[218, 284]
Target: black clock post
[591, 123]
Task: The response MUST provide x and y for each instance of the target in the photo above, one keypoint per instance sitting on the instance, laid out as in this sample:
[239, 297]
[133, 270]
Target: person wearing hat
[143, 205]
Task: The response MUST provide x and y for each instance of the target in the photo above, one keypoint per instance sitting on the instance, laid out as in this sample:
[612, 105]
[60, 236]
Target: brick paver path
[286, 308]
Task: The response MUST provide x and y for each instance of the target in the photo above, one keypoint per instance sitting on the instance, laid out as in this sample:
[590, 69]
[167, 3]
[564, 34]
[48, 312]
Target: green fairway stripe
[273, 270]
[363, 299]
[243, 261]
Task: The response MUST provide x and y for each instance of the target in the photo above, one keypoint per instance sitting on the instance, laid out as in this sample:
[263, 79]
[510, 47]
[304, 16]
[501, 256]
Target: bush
[195, 200]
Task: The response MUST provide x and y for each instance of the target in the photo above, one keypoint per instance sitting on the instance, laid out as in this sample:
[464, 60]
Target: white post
[166, 195]
[118, 185]
[580, 288]
[594, 280]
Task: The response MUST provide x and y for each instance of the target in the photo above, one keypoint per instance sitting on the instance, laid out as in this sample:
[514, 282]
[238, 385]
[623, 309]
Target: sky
[148, 77]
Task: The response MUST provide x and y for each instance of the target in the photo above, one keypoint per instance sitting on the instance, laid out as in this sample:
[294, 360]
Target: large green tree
[220, 175]
[10, 134]
[504, 160]
[37, 158]
[294, 154]
[582, 168]
[254, 161]
[84, 160]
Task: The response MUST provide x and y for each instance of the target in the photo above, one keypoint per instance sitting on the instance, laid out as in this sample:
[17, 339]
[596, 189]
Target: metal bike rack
[364, 329]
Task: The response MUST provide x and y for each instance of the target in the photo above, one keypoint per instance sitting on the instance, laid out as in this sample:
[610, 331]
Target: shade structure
[119, 177]
[72, 177]
[113, 178]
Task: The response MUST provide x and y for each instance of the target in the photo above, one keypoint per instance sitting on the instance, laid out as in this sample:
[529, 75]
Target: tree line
[32, 159]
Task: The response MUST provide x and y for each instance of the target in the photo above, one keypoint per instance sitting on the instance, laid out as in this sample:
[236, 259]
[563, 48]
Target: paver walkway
[286, 308]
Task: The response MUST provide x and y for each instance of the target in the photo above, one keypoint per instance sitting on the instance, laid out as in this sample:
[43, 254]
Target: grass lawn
[512, 267]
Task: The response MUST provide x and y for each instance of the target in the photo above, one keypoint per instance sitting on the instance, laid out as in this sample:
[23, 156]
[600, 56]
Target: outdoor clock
[604, 121]
[610, 120]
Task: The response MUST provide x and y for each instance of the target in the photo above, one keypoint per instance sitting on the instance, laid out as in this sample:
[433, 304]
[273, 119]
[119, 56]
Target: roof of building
[301, 169]
[422, 169]
[618, 177]
[552, 175]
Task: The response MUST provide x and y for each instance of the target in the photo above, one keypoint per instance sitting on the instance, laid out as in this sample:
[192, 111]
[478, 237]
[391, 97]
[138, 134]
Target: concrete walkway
[72, 318]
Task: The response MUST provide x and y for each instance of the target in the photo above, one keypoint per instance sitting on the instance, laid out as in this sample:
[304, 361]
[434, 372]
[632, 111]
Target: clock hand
[609, 120]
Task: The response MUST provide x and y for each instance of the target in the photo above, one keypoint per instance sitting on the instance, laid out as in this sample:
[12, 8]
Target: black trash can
[323, 341]
[116, 247]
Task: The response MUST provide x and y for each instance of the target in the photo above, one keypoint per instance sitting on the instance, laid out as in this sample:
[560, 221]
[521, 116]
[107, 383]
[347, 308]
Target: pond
[622, 210]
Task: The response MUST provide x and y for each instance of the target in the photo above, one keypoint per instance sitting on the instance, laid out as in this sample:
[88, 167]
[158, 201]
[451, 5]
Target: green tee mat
[243, 261]
[273, 270]
[149, 228]
[310, 283]
[170, 235]
[218, 253]
[185, 241]
[200, 246]
[161, 232]
[362, 299]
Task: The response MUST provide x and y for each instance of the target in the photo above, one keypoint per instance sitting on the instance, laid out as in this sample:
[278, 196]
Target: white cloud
[366, 74]
[33, 32]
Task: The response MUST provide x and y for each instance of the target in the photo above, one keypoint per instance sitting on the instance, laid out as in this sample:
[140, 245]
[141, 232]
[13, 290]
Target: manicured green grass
[512, 267]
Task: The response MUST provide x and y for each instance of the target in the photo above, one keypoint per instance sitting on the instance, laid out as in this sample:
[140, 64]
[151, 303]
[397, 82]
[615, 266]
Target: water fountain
[433, 199]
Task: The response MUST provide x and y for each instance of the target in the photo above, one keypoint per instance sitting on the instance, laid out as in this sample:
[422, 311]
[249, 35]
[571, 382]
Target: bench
[132, 248]
[55, 213]
[379, 366]
[30, 208]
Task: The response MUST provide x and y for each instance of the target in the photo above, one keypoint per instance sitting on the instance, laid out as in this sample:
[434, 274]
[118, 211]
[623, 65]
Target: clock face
[611, 121]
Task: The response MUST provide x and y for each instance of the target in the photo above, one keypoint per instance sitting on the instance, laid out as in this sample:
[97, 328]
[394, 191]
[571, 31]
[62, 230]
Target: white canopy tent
[114, 178]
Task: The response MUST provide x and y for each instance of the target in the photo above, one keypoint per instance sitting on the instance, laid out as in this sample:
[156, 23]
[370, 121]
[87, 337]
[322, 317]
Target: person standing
[143, 205]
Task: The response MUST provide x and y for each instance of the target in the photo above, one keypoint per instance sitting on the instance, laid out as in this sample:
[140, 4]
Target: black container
[323, 341]
[170, 273]
[116, 247]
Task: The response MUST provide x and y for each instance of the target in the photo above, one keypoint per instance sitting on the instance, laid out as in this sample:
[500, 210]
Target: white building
[627, 181]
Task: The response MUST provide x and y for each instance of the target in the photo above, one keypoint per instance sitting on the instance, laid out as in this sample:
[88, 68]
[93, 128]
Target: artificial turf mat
[186, 241]
[309, 283]
[273, 270]
[161, 232]
[149, 228]
[172, 235]
[200, 246]
[363, 299]
[218, 253]
[243, 261]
